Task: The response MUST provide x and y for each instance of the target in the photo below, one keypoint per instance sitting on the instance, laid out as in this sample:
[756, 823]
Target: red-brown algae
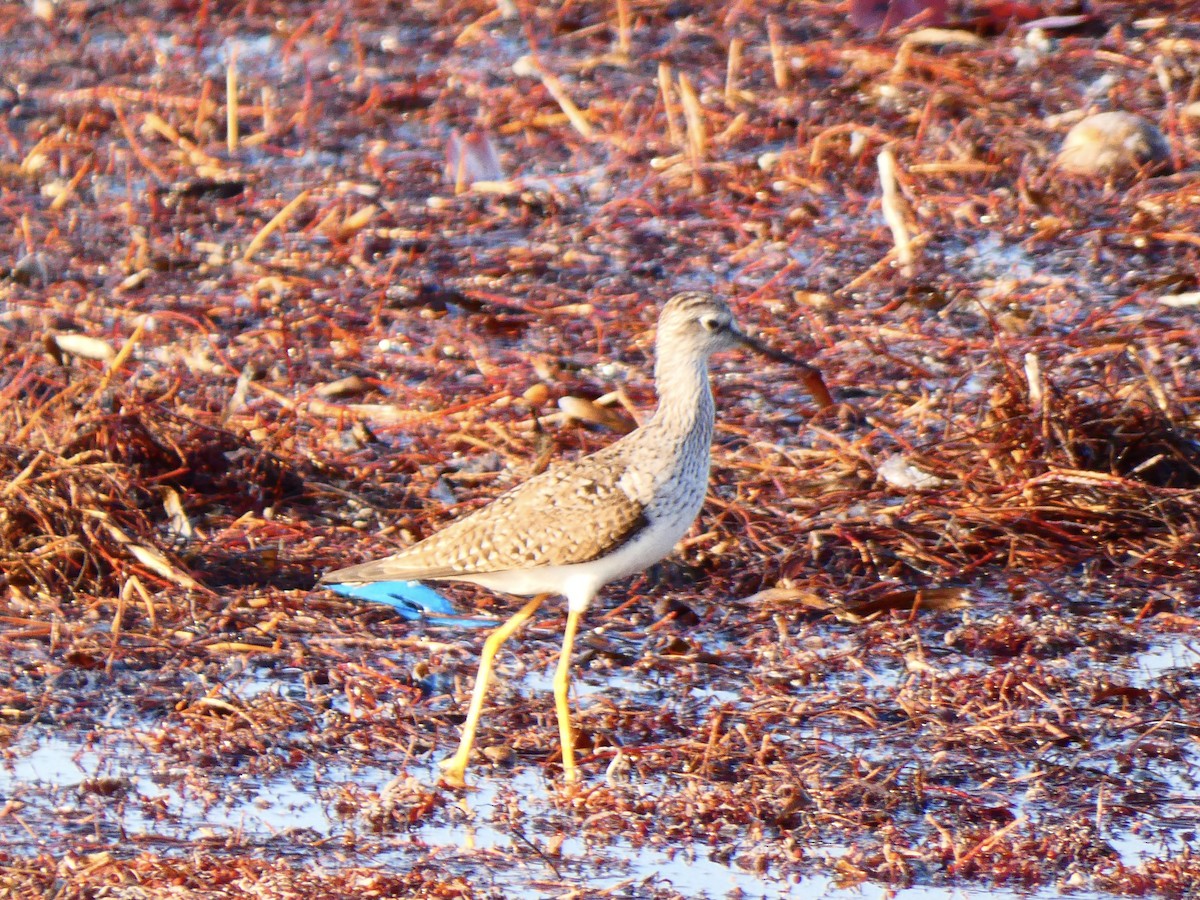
[969, 678]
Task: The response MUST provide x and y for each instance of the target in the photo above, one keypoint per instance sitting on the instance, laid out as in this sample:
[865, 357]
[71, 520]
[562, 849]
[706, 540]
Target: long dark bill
[811, 378]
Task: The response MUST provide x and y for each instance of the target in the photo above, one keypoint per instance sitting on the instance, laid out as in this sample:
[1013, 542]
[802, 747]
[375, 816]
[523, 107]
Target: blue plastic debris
[414, 601]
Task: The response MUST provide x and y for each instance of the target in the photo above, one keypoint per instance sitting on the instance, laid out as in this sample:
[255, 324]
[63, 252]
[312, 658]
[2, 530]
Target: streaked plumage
[579, 525]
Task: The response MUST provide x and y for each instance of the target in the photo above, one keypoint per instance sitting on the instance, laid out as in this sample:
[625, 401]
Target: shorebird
[578, 526]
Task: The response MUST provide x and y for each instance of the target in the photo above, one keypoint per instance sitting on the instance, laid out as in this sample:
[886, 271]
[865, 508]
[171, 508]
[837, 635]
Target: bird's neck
[685, 400]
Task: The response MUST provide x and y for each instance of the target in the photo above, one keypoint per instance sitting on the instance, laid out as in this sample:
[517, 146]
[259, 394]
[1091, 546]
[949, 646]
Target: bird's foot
[454, 770]
[571, 775]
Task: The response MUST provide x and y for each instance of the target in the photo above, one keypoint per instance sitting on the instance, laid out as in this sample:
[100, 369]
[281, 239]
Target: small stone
[83, 346]
[343, 387]
[536, 394]
[30, 268]
[499, 754]
[1113, 143]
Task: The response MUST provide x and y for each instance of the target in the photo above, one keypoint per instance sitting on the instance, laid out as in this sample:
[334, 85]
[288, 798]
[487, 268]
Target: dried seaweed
[288, 285]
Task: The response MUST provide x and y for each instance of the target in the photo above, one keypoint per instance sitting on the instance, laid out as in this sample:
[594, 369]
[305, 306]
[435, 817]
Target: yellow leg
[456, 766]
[562, 684]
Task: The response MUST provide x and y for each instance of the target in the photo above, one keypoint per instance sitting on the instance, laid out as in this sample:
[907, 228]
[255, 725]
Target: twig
[274, 225]
[623, 26]
[893, 212]
[697, 139]
[732, 65]
[528, 65]
[779, 64]
[664, 86]
[231, 101]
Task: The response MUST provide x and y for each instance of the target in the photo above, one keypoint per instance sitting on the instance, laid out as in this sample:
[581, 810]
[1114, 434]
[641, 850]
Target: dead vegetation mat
[940, 634]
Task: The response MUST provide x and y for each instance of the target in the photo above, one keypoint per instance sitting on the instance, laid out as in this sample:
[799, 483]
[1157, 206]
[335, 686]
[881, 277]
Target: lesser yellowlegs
[574, 528]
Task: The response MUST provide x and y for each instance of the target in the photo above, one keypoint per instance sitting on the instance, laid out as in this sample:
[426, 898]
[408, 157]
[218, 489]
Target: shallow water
[108, 793]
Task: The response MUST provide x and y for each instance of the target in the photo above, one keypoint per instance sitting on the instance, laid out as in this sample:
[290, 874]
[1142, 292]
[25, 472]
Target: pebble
[1112, 143]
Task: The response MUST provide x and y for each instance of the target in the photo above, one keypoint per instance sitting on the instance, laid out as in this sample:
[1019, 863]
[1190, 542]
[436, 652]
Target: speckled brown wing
[573, 513]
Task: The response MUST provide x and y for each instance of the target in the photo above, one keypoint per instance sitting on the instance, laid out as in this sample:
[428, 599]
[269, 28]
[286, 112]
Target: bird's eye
[710, 323]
